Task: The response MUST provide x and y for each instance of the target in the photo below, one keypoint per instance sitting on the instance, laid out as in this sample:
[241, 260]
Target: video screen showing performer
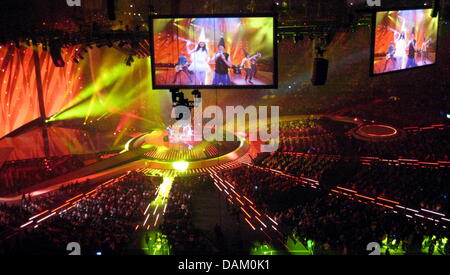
[213, 52]
[404, 39]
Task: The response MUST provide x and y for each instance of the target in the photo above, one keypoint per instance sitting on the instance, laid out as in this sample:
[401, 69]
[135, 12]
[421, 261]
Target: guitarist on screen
[182, 66]
[249, 65]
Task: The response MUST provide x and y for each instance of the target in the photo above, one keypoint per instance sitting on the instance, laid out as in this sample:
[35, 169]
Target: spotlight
[180, 166]
[436, 8]
[111, 9]
[55, 52]
[151, 10]
[320, 51]
[275, 7]
[297, 37]
[284, 7]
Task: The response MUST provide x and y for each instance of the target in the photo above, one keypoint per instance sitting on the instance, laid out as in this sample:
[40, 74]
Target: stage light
[284, 6]
[297, 37]
[180, 166]
[111, 9]
[55, 52]
[436, 7]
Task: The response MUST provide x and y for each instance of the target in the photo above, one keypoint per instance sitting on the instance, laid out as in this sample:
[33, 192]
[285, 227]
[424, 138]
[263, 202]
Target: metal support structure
[40, 93]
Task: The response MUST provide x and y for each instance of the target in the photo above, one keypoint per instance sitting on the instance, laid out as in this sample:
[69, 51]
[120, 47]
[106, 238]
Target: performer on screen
[182, 66]
[390, 56]
[254, 67]
[412, 49]
[400, 45]
[425, 49]
[199, 60]
[223, 63]
[248, 65]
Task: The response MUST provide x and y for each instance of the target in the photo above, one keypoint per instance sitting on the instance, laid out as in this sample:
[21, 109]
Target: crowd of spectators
[403, 111]
[35, 205]
[16, 175]
[414, 186]
[324, 136]
[341, 226]
[311, 166]
[11, 216]
[336, 225]
[102, 223]
[15, 214]
[178, 225]
[271, 190]
[313, 148]
[427, 145]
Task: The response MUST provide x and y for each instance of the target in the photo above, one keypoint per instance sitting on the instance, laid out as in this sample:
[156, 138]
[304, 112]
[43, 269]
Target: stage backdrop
[100, 85]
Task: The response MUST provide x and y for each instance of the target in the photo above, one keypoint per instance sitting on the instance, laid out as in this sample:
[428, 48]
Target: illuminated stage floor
[177, 158]
[160, 147]
[380, 63]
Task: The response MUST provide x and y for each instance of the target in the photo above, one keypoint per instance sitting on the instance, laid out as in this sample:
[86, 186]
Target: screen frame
[274, 16]
[373, 36]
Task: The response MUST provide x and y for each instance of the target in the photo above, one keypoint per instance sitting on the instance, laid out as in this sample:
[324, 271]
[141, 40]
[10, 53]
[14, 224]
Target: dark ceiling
[25, 20]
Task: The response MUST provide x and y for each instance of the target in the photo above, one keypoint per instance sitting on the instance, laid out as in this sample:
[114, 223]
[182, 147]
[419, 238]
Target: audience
[102, 223]
[318, 149]
[183, 237]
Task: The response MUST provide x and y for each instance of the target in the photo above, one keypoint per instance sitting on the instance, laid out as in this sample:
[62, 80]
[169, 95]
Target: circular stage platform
[161, 147]
[377, 132]
[165, 155]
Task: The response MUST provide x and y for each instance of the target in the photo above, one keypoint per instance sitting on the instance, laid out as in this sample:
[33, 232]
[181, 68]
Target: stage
[155, 155]
[165, 76]
[377, 132]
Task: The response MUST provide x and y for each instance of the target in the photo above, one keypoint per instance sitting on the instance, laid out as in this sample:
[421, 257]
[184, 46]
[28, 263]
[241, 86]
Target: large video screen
[214, 52]
[404, 39]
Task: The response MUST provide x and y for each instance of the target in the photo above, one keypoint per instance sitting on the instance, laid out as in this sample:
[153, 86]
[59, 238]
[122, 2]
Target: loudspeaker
[320, 71]
[110, 5]
[436, 8]
[55, 52]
